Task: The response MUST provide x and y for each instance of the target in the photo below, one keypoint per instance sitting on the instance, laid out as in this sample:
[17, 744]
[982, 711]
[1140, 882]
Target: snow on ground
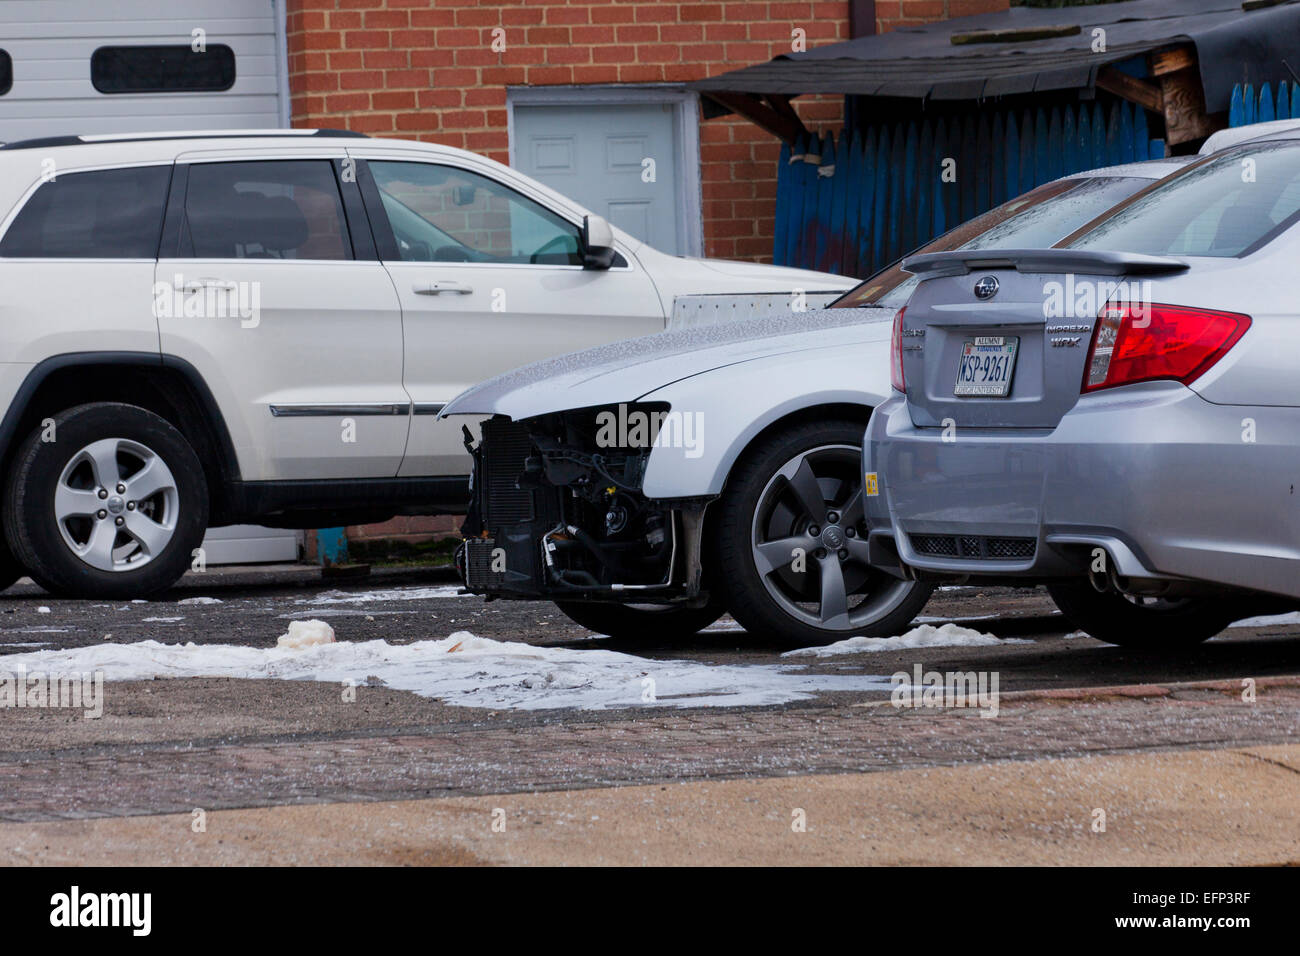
[949, 635]
[389, 594]
[194, 600]
[465, 671]
[1268, 620]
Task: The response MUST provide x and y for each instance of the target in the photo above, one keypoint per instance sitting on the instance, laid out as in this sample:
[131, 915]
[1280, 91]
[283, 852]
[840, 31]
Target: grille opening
[506, 446]
[976, 547]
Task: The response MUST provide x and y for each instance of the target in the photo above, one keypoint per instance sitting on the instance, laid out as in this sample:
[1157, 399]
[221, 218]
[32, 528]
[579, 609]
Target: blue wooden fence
[854, 205]
[1249, 106]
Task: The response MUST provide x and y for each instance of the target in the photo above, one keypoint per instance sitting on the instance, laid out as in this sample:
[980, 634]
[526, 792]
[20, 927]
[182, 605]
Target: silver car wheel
[808, 543]
[116, 505]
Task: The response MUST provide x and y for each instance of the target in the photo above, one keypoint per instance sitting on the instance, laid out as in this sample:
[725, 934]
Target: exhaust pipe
[1102, 581]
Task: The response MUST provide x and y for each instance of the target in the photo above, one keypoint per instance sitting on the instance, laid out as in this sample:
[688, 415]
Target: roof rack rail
[51, 142]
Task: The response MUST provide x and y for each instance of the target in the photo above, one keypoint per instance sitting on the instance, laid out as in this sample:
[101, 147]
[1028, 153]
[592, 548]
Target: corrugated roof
[1233, 46]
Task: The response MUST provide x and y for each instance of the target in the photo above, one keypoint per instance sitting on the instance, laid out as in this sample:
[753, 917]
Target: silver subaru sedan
[1117, 417]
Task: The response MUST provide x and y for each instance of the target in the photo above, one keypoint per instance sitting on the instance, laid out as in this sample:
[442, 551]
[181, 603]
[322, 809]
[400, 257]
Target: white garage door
[51, 44]
[635, 162]
[70, 62]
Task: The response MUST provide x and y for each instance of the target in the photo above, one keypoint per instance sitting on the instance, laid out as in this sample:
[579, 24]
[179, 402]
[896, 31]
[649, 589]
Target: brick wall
[891, 14]
[426, 69]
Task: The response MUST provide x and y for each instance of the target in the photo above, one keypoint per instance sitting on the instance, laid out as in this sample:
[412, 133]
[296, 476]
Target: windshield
[1035, 220]
[1225, 206]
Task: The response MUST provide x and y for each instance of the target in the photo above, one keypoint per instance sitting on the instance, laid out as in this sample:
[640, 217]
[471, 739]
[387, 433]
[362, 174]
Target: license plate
[987, 363]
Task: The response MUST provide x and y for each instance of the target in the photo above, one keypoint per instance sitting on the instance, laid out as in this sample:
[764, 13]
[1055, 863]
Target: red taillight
[1142, 343]
[896, 353]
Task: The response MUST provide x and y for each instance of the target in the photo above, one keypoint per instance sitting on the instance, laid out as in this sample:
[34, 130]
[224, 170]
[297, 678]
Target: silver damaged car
[649, 486]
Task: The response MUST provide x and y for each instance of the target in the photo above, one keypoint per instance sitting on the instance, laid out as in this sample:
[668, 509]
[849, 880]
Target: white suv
[204, 329]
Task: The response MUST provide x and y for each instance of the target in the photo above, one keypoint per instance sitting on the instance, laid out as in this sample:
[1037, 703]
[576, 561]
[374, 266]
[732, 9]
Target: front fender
[715, 415]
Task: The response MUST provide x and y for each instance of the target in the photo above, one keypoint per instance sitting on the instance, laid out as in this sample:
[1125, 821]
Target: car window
[277, 209]
[445, 214]
[105, 214]
[1225, 206]
[1035, 220]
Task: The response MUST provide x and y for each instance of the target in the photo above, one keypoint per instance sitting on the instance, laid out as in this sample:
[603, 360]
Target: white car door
[489, 278]
[269, 285]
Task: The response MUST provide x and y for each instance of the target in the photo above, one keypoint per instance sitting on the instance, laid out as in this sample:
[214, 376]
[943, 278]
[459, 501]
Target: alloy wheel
[116, 504]
[809, 543]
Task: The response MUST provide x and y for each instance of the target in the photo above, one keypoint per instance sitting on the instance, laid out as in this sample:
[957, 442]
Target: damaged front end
[557, 512]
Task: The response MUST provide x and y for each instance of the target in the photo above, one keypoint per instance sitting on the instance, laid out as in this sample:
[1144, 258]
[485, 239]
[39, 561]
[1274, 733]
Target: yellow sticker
[869, 485]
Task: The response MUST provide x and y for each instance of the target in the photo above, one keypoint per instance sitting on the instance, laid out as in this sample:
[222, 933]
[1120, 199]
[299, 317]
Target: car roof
[1143, 169]
[90, 139]
[1274, 129]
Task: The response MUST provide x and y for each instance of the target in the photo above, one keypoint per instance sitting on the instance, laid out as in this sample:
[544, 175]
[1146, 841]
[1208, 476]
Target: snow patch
[162, 620]
[389, 594]
[306, 634]
[199, 600]
[949, 635]
[465, 671]
[1268, 620]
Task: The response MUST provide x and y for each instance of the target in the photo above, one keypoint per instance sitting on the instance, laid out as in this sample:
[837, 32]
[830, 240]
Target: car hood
[626, 371]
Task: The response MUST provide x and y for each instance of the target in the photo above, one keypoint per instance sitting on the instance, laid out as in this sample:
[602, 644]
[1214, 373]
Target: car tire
[102, 454]
[1156, 626]
[10, 568]
[641, 623]
[774, 498]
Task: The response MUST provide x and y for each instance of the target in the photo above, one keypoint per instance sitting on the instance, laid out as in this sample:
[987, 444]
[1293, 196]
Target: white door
[619, 161]
[299, 340]
[74, 69]
[489, 279]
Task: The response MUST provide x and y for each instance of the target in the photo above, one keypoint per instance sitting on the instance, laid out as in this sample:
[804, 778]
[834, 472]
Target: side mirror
[597, 243]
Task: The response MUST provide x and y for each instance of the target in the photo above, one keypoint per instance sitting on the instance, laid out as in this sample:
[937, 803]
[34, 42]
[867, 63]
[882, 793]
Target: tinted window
[162, 69]
[1221, 207]
[6, 72]
[1035, 220]
[265, 210]
[444, 214]
[108, 214]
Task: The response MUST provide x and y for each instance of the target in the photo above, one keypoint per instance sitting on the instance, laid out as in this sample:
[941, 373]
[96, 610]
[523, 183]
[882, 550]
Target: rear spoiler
[1062, 261]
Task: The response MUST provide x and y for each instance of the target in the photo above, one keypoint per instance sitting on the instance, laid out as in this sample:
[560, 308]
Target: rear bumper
[1165, 482]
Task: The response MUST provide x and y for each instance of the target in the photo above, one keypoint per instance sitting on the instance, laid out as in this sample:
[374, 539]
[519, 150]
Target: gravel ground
[165, 746]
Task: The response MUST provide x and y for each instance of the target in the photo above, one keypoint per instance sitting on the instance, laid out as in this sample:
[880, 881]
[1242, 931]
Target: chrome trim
[329, 411]
[429, 408]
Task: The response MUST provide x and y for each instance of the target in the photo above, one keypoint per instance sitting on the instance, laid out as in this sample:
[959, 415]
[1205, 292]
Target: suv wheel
[1142, 624]
[10, 569]
[113, 507]
[790, 550]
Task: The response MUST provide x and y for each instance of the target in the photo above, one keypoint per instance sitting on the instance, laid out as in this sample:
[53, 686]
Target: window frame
[176, 243]
[7, 223]
[386, 240]
[213, 48]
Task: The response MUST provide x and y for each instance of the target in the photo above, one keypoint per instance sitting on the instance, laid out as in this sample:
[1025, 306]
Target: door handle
[438, 288]
[198, 285]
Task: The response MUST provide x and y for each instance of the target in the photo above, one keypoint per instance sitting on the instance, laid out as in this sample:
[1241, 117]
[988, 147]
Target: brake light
[896, 354]
[1136, 343]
